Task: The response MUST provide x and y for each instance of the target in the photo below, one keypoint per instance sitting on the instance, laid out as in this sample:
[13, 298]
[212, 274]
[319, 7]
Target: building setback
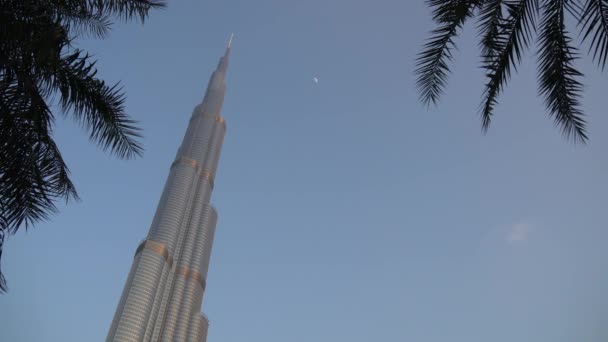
[162, 298]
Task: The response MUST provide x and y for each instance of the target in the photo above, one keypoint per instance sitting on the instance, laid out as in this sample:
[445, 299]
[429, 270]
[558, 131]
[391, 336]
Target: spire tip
[230, 40]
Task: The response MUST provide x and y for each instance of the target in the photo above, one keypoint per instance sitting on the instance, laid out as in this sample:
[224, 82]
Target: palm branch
[507, 29]
[38, 62]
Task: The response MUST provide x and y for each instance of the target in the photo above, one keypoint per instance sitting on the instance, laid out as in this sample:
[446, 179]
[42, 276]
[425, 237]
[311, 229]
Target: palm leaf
[594, 20]
[97, 106]
[82, 21]
[432, 63]
[490, 19]
[504, 50]
[38, 61]
[3, 224]
[127, 9]
[32, 172]
[558, 78]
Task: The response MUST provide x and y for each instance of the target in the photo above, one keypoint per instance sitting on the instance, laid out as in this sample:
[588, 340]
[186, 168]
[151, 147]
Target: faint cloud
[519, 232]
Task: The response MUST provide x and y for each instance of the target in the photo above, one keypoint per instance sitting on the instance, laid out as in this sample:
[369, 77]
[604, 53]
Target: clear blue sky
[348, 212]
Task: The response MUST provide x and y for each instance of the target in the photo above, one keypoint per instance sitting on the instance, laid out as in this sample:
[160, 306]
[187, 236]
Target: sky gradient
[347, 210]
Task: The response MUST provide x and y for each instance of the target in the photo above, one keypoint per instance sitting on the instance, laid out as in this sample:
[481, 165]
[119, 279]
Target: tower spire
[230, 41]
[163, 295]
[223, 64]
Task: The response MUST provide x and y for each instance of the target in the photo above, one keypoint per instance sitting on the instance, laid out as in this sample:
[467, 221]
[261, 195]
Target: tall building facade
[162, 297]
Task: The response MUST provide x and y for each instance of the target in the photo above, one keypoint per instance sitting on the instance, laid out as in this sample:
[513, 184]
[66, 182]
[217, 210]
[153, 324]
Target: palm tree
[38, 64]
[507, 29]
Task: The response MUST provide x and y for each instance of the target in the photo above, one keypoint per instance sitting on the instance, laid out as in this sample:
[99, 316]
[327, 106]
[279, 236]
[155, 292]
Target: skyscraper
[163, 295]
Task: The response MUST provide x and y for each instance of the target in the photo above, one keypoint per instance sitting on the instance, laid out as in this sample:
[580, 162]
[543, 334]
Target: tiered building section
[163, 295]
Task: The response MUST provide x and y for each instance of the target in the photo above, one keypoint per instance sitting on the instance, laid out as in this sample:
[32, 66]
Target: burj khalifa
[162, 298]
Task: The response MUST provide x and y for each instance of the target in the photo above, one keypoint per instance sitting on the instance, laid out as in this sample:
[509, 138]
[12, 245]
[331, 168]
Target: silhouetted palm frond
[506, 29]
[594, 19]
[491, 17]
[432, 62]
[3, 224]
[504, 48]
[82, 21]
[38, 62]
[558, 78]
[97, 106]
[126, 9]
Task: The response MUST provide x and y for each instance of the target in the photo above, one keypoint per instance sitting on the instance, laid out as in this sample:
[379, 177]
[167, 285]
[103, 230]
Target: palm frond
[432, 63]
[32, 172]
[594, 21]
[558, 78]
[490, 19]
[574, 7]
[3, 285]
[34, 180]
[97, 106]
[505, 50]
[82, 21]
[127, 9]
[38, 62]
[25, 200]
